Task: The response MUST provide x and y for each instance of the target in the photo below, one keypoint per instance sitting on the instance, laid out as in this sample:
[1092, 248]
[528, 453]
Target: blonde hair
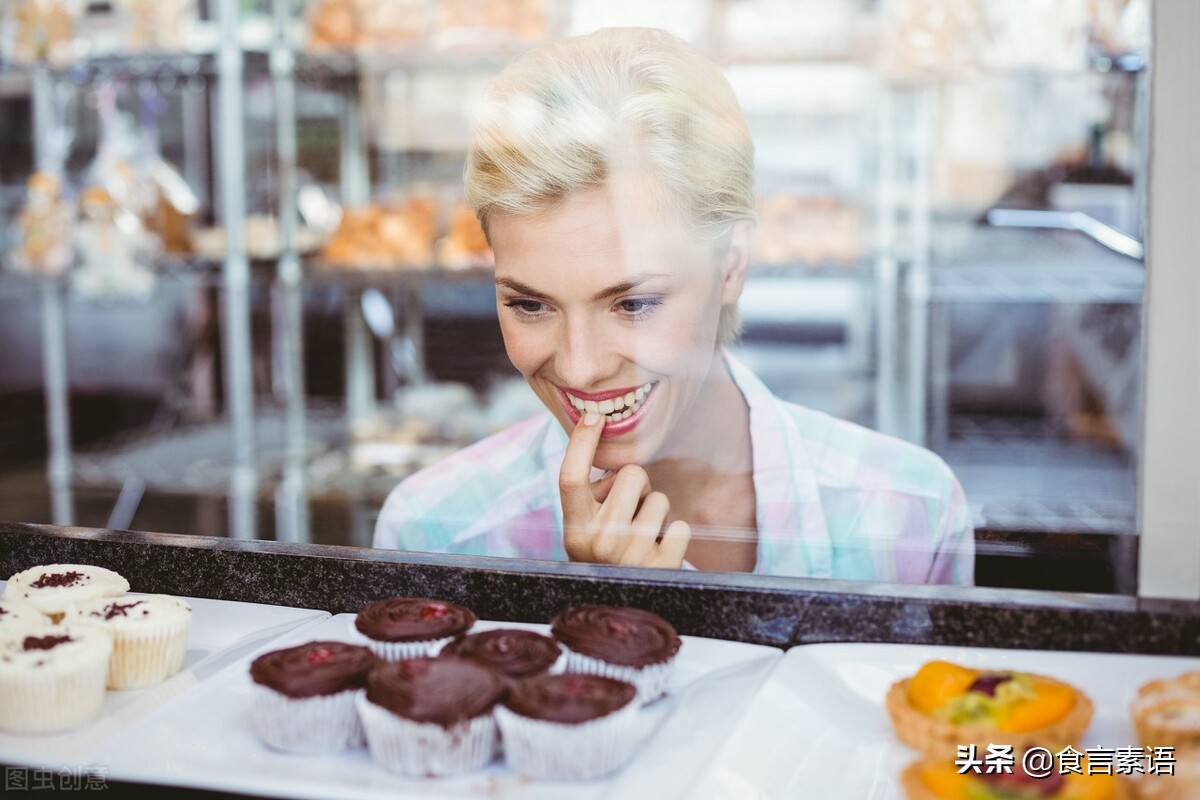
[565, 117]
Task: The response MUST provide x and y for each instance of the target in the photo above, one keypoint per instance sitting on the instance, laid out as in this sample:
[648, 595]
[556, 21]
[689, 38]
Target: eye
[526, 308]
[639, 307]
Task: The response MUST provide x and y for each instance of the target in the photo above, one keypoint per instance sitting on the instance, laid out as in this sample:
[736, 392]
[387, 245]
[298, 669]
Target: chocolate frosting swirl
[569, 698]
[315, 668]
[628, 637]
[444, 691]
[412, 619]
[516, 653]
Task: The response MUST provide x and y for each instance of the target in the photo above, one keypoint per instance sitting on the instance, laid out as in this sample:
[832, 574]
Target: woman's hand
[618, 519]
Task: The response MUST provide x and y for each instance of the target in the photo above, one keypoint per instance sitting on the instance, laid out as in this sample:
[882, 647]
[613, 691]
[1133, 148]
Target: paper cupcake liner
[651, 681]
[321, 724]
[422, 749]
[557, 751]
[45, 702]
[144, 658]
[399, 651]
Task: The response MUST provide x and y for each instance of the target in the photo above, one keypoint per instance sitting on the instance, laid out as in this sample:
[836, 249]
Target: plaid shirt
[833, 499]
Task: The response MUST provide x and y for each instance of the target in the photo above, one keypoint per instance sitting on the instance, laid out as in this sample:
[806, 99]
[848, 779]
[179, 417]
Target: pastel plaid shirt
[833, 499]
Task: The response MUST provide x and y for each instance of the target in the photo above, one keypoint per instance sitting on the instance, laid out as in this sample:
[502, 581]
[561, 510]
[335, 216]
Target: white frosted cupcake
[52, 588]
[52, 680]
[149, 636]
[15, 615]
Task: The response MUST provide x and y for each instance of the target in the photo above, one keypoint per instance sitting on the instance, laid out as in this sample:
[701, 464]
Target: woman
[613, 175]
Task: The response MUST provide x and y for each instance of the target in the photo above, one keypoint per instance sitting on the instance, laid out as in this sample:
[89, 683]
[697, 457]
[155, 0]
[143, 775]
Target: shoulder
[850, 456]
[500, 475]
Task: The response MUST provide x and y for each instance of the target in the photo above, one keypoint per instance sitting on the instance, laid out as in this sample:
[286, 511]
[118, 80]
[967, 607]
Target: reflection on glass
[613, 174]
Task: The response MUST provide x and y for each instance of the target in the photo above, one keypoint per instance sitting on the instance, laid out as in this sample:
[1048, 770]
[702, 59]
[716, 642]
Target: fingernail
[590, 419]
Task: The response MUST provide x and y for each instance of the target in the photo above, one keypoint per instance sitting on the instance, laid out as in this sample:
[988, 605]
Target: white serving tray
[221, 631]
[206, 739]
[818, 727]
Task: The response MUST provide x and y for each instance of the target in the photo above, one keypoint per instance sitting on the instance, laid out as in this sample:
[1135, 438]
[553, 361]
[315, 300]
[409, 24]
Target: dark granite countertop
[765, 610]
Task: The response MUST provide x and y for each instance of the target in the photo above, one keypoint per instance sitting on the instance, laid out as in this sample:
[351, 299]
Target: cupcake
[1166, 713]
[940, 780]
[51, 588]
[304, 696]
[514, 653]
[945, 705]
[52, 679]
[15, 615]
[411, 627]
[570, 726]
[624, 643]
[431, 716]
[149, 636]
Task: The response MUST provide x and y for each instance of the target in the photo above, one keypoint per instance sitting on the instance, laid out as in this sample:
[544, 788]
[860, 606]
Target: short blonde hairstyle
[563, 118]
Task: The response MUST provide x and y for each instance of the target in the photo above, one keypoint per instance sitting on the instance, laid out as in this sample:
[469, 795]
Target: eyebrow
[611, 291]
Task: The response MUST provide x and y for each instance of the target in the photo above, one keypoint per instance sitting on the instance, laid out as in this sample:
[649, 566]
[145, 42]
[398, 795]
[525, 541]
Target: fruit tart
[946, 705]
[940, 780]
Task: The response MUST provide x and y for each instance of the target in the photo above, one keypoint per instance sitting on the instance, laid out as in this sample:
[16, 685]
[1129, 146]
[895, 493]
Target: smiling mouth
[614, 409]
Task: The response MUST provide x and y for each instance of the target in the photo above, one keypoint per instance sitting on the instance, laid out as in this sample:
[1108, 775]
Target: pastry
[149, 636]
[1166, 713]
[53, 587]
[939, 780]
[304, 696]
[15, 615]
[52, 680]
[945, 705]
[431, 716]
[410, 627]
[515, 653]
[625, 643]
[570, 727]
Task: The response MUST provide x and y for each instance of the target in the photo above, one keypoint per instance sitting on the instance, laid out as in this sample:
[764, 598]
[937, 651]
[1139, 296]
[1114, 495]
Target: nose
[584, 356]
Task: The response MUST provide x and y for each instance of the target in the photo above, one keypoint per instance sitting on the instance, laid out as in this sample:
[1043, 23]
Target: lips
[622, 409]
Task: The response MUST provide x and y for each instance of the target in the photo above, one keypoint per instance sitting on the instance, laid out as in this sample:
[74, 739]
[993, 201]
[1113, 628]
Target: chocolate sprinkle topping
[45, 642]
[56, 579]
[119, 610]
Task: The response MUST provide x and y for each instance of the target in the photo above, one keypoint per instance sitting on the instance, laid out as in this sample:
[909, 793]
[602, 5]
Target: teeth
[614, 409]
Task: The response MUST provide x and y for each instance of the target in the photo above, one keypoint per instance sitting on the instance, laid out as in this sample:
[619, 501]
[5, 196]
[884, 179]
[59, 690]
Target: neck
[714, 444]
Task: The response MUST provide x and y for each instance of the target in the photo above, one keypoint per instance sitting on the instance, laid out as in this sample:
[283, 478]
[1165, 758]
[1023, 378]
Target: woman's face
[608, 304]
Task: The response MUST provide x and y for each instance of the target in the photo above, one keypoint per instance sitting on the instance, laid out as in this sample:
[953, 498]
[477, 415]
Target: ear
[736, 261]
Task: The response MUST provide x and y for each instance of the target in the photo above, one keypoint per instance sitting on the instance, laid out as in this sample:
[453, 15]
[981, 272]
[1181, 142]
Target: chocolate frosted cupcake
[304, 696]
[626, 643]
[515, 653]
[53, 587]
[149, 636]
[52, 679]
[570, 727]
[411, 627]
[431, 716]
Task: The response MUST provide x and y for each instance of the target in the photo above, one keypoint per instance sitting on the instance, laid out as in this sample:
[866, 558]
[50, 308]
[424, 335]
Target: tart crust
[938, 738]
[915, 788]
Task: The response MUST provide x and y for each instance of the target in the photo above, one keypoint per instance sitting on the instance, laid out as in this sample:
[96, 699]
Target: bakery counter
[764, 665]
[778, 612]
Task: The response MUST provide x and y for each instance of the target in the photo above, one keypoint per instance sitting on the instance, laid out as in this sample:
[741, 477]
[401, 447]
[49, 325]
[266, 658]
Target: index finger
[575, 476]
